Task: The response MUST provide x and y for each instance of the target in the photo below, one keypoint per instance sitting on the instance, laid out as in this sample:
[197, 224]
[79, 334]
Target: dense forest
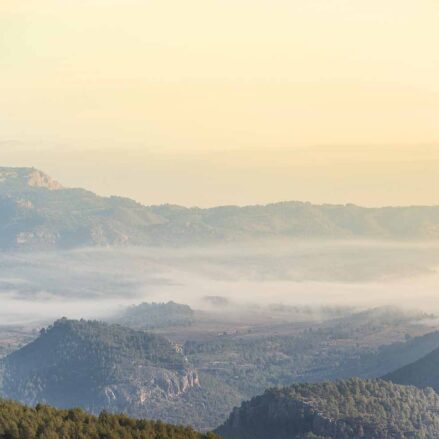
[341, 410]
[44, 422]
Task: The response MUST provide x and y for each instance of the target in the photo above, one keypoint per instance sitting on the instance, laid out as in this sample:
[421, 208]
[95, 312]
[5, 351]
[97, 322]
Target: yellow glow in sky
[266, 79]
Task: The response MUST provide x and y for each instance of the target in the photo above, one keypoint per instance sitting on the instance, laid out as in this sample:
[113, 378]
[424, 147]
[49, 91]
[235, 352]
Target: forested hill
[44, 422]
[421, 373]
[155, 315]
[38, 213]
[337, 410]
[99, 367]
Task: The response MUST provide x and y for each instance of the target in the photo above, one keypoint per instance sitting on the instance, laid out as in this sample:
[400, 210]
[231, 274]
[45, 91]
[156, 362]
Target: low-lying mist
[95, 282]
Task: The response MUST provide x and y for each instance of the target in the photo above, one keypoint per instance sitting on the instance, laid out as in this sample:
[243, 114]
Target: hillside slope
[339, 410]
[422, 373]
[38, 213]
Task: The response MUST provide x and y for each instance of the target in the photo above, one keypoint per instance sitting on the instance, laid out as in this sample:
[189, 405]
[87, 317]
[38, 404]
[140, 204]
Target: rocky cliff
[25, 178]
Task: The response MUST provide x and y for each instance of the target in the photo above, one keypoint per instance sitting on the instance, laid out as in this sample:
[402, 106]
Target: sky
[208, 102]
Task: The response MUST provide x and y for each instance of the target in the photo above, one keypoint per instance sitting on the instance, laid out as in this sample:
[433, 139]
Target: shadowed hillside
[421, 373]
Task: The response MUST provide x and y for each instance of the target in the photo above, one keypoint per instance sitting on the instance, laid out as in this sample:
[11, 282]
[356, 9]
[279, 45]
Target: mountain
[422, 373]
[98, 367]
[38, 213]
[340, 410]
[44, 422]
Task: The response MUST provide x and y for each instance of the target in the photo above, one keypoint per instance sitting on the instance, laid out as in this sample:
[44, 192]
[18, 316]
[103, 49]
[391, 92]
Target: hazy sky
[203, 102]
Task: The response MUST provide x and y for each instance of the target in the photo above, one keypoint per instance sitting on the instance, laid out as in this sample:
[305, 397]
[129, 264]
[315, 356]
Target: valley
[220, 357]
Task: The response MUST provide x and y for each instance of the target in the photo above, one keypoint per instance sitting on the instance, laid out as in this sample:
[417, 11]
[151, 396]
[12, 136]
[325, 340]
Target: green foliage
[44, 422]
[342, 409]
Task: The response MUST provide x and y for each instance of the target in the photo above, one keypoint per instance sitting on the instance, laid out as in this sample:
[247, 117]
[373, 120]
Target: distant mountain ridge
[39, 214]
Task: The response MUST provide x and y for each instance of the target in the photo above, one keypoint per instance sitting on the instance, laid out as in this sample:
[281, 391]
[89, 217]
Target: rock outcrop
[22, 178]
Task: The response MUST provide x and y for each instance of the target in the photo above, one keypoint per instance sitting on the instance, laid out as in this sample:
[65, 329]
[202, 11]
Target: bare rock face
[154, 386]
[38, 179]
[22, 178]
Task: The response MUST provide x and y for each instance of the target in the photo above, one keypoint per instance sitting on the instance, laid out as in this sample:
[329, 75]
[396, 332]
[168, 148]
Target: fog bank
[94, 282]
